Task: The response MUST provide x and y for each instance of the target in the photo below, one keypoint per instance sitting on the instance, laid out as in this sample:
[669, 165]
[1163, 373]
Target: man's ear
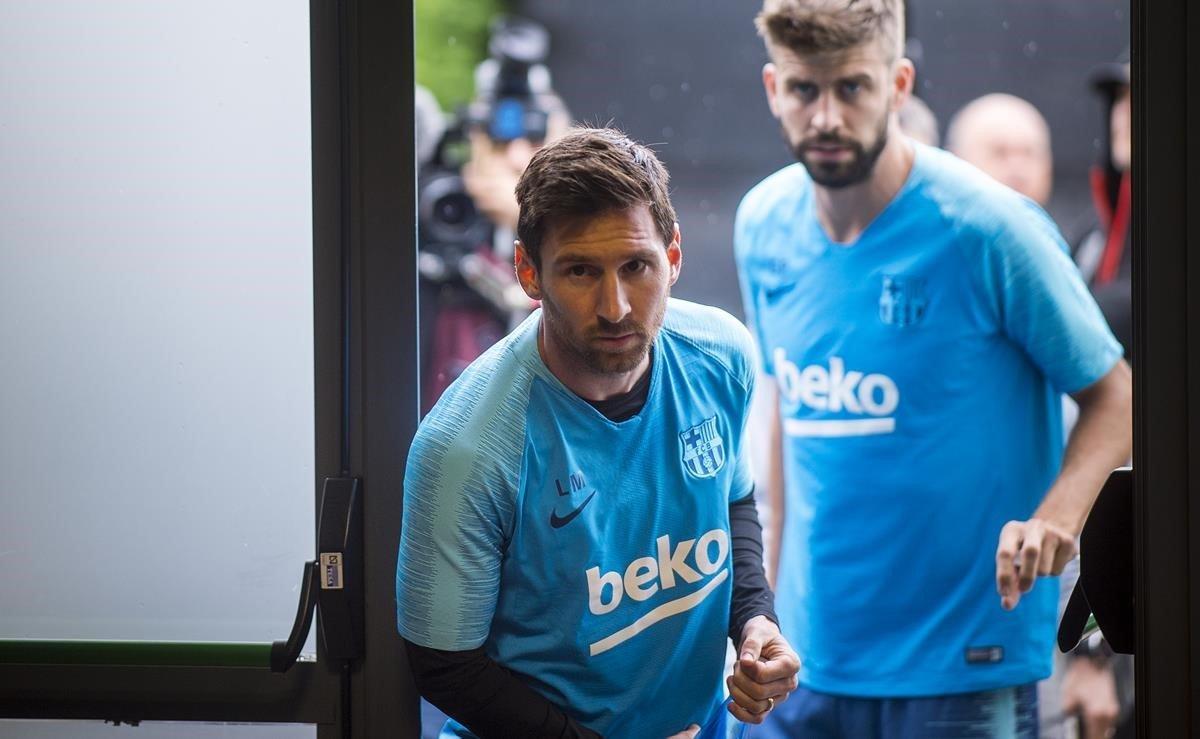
[768, 78]
[527, 272]
[903, 78]
[675, 254]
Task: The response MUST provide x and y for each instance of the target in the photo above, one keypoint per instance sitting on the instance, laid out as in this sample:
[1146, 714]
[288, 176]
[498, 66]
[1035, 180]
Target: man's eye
[578, 270]
[636, 265]
[851, 87]
[804, 90]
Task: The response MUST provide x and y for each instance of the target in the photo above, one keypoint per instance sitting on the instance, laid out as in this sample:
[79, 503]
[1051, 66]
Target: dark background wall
[685, 75]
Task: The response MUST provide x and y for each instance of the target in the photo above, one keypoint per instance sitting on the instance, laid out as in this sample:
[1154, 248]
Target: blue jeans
[1007, 713]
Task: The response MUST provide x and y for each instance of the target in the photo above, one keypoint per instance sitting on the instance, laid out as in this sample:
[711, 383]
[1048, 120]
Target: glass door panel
[156, 314]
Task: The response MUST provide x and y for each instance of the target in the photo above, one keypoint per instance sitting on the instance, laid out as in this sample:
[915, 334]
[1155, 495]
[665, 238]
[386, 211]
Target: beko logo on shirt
[836, 390]
[646, 576]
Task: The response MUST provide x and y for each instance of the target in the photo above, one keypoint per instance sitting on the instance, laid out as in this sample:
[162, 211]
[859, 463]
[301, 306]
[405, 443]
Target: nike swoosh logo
[773, 293]
[558, 523]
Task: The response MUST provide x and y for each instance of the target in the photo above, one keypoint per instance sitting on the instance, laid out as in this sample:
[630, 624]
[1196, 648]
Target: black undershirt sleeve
[488, 699]
[751, 594]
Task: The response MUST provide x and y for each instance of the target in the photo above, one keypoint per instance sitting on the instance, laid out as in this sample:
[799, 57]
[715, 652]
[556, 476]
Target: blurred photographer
[467, 208]
[1103, 252]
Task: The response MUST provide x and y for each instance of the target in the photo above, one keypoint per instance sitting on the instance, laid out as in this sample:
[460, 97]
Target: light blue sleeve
[743, 477]
[743, 246]
[740, 350]
[1042, 304]
[460, 491]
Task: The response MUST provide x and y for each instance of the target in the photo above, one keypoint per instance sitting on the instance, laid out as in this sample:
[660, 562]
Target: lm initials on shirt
[836, 390]
[646, 576]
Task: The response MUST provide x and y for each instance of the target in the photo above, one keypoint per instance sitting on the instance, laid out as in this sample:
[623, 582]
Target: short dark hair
[822, 26]
[586, 173]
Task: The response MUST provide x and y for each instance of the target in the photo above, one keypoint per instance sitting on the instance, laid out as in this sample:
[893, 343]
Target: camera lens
[454, 209]
[446, 215]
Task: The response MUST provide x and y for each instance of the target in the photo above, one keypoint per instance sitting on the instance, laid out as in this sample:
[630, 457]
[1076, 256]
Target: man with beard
[916, 323]
[580, 534]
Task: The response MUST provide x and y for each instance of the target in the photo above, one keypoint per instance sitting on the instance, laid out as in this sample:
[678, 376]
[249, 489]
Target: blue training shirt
[920, 372]
[591, 558]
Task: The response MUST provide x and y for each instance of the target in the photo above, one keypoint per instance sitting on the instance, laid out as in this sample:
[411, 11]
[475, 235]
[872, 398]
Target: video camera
[512, 86]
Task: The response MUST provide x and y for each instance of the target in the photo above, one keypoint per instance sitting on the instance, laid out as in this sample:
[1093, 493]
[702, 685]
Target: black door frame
[383, 387]
[1166, 224]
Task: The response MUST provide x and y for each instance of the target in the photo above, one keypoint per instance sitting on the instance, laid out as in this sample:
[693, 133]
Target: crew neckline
[856, 246]
[654, 372]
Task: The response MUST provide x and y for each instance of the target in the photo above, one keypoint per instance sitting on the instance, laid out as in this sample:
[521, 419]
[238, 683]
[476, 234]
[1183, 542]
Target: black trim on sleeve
[752, 595]
[488, 699]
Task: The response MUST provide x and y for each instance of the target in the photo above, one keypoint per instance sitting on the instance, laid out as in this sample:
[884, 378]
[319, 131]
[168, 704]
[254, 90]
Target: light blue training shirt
[920, 372]
[591, 558]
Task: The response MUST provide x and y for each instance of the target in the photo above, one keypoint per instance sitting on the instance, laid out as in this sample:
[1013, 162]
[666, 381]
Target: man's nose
[613, 302]
[828, 114]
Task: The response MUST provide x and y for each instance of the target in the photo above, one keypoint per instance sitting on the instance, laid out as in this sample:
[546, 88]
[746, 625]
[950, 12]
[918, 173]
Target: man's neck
[581, 380]
[846, 212]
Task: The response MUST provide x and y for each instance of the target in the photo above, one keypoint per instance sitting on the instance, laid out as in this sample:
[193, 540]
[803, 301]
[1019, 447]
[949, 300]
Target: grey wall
[685, 75]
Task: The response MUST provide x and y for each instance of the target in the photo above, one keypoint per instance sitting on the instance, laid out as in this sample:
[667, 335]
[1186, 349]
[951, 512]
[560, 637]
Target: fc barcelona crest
[902, 300]
[703, 449]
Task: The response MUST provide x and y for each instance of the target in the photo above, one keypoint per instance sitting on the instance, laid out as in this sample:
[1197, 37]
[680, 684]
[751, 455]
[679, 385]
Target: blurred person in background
[430, 124]
[1103, 250]
[917, 323]
[918, 122]
[467, 209]
[1009, 139]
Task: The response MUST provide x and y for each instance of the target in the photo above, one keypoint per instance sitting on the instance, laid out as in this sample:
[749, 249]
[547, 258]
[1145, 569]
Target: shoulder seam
[712, 355]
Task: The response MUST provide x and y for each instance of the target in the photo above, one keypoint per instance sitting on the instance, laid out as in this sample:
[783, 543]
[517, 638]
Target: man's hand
[1099, 442]
[765, 672]
[1090, 690]
[688, 733]
[491, 174]
[1028, 549]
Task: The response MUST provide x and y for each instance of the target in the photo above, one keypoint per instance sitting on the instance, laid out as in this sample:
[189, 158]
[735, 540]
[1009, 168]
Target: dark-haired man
[917, 323]
[580, 535]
